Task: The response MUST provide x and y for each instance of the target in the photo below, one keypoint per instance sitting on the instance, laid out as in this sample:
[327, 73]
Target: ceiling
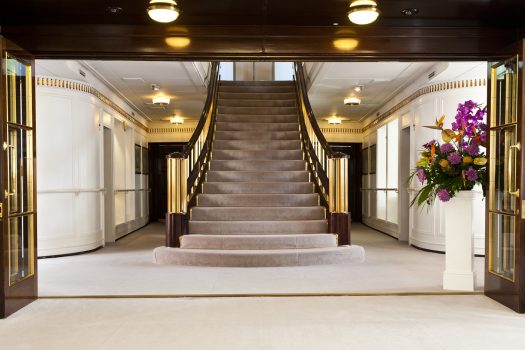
[381, 81]
[131, 80]
[264, 29]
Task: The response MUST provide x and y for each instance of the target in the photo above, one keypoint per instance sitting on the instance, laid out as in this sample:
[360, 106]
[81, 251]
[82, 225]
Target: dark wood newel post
[339, 217]
[177, 219]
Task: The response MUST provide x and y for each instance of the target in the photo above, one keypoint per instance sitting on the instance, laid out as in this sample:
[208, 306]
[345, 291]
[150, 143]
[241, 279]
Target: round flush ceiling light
[176, 120]
[335, 120]
[352, 101]
[161, 101]
[163, 11]
[363, 11]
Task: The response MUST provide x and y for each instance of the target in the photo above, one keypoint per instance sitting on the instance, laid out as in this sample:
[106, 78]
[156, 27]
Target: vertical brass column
[338, 178]
[339, 216]
[177, 222]
[177, 185]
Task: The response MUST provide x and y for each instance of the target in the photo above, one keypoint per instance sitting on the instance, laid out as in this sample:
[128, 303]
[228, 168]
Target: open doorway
[384, 130]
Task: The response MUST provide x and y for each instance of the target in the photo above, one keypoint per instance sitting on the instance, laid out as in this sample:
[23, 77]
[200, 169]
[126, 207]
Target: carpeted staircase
[258, 206]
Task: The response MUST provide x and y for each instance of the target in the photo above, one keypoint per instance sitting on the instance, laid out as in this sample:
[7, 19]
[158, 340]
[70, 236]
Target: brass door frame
[14, 297]
[507, 290]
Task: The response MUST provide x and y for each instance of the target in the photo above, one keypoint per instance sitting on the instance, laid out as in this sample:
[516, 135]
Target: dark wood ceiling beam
[260, 42]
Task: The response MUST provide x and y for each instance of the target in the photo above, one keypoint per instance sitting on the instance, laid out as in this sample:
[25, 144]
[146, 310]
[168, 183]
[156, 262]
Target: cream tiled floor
[126, 268]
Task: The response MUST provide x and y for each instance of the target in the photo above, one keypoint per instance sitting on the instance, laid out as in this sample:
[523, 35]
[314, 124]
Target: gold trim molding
[178, 130]
[88, 89]
[341, 131]
[423, 91]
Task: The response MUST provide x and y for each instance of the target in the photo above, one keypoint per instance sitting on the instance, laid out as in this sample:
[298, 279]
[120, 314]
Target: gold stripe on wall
[423, 91]
[86, 88]
[180, 130]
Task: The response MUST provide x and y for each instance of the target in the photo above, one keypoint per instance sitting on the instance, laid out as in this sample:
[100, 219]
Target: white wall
[70, 171]
[426, 227]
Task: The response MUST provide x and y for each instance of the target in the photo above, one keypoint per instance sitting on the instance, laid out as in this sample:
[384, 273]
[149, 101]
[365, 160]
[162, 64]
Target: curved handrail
[187, 176]
[315, 147]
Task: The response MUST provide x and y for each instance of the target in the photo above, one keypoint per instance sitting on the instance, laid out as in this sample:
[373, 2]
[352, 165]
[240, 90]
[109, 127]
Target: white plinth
[459, 254]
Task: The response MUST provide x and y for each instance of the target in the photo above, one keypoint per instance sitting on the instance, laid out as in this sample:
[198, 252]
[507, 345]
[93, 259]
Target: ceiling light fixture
[363, 11]
[335, 120]
[176, 120]
[358, 88]
[352, 101]
[163, 11]
[161, 101]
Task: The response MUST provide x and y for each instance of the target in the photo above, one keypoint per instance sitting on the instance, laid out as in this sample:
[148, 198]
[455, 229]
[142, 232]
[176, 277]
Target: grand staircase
[258, 206]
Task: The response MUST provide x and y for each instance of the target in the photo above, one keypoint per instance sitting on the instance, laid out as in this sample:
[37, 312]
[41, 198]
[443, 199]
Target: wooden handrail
[328, 169]
[193, 160]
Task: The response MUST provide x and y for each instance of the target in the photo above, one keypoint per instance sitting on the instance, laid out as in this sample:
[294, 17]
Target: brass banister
[187, 169]
[328, 169]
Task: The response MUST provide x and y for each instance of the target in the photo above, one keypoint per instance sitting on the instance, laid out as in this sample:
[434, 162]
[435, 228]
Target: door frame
[15, 297]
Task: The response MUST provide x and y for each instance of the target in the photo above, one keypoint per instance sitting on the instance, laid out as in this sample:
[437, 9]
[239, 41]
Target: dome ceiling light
[163, 11]
[352, 101]
[335, 120]
[363, 11]
[161, 101]
[176, 120]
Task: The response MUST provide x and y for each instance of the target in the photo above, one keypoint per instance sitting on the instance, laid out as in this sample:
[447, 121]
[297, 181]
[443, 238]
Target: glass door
[502, 279]
[18, 217]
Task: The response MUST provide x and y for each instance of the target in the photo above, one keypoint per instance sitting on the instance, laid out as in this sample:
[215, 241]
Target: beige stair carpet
[258, 206]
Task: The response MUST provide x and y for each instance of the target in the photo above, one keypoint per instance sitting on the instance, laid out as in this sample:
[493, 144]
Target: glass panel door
[18, 226]
[503, 219]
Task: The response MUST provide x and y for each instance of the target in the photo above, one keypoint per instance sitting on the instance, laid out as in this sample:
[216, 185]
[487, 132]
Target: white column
[459, 254]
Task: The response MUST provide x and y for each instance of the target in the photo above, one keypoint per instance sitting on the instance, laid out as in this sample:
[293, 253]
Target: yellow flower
[422, 161]
[467, 160]
[480, 161]
[443, 163]
[447, 135]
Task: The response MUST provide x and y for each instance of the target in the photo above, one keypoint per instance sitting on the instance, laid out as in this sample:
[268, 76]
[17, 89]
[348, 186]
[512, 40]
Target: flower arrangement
[457, 164]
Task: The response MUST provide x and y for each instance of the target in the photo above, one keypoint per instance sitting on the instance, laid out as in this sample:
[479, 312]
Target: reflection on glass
[502, 169]
[145, 161]
[18, 92]
[501, 259]
[138, 161]
[19, 153]
[504, 93]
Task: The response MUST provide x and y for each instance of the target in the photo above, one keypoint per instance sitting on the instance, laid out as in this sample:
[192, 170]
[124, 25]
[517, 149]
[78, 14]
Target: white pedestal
[459, 255]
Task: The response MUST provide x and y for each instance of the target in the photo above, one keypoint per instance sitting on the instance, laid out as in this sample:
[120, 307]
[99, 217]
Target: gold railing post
[338, 179]
[339, 217]
[177, 185]
[177, 216]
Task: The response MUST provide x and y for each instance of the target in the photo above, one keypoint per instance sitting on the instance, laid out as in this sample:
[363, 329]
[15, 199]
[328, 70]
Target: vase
[459, 251]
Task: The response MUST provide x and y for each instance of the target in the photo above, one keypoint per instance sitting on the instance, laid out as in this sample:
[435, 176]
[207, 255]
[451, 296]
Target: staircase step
[258, 187]
[242, 126]
[321, 240]
[257, 136]
[256, 83]
[249, 145]
[257, 176]
[255, 165]
[256, 213]
[257, 89]
[254, 118]
[258, 200]
[259, 258]
[242, 102]
[253, 155]
[257, 96]
[256, 110]
[257, 227]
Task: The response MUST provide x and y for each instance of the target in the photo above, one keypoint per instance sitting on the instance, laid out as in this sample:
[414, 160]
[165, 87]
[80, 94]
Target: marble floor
[126, 268]
[281, 323]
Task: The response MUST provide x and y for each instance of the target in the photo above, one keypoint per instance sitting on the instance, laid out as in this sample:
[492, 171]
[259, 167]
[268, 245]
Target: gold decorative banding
[86, 88]
[341, 130]
[423, 91]
[180, 130]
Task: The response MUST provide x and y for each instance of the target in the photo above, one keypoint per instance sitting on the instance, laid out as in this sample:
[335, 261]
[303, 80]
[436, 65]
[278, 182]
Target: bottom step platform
[259, 258]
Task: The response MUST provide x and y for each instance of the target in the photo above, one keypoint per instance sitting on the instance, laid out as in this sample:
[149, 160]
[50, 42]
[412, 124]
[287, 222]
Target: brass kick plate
[523, 209]
[1, 211]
